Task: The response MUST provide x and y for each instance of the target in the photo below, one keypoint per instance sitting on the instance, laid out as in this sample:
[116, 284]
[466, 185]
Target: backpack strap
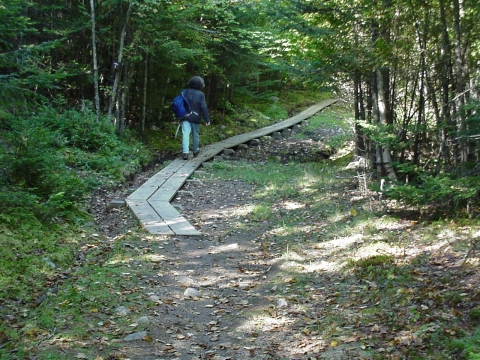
[189, 111]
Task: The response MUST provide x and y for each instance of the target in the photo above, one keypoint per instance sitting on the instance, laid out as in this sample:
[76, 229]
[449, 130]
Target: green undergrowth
[81, 301]
[50, 163]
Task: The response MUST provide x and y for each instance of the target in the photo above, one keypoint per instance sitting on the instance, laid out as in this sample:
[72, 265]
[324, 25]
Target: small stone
[277, 135]
[116, 204]
[49, 263]
[185, 280]
[122, 311]
[143, 320]
[286, 133]
[135, 336]
[254, 142]
[155, 298]
[282, 303]
[232, 246]
[191, 292]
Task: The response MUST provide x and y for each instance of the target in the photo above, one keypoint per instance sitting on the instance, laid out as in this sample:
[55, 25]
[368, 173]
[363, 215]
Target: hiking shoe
[185, 156]
[195, 154]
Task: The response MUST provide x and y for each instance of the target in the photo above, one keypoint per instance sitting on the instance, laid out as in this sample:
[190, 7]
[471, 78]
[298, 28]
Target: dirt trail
[234, 311]
[222, 295]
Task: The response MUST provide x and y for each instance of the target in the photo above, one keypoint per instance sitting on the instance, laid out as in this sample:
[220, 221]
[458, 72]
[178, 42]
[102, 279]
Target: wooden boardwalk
[151, 202]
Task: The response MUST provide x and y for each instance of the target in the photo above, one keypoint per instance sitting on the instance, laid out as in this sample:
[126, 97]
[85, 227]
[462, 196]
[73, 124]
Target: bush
[48, 159]
[438, 192]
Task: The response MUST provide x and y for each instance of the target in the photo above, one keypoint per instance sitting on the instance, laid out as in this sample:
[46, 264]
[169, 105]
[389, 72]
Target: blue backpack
[180, 106]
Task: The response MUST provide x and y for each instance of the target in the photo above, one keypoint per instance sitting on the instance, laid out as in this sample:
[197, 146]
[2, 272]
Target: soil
[211, 292]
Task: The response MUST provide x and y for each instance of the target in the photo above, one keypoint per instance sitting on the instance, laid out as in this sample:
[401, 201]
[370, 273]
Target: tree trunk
[144, 105]
[445, 86]
[119, 62]
[460, 52]
[95, 65]
[382, 116]
[360, 146]
[124, 93]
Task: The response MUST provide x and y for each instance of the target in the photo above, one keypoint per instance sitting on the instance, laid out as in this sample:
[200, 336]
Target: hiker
[191, 124]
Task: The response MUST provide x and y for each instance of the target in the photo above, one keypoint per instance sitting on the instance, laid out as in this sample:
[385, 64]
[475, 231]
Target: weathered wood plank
[156, 181]
[149, 218]
[158, 228]
[174, 219]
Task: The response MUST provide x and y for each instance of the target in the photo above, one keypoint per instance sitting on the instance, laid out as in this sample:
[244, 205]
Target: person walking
[191, 123]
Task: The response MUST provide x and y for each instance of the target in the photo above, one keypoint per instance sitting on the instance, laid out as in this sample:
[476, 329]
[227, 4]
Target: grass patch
[84, 307]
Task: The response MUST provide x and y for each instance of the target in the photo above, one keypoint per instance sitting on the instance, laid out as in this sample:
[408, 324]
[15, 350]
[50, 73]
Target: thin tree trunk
[145, 81]
[95, 65]
[445, 85]
[360, 148]
[382, 115]
[123, 99]
[460, 52]
[119, 61]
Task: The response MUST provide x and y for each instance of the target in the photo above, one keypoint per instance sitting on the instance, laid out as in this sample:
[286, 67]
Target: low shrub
[439, 192]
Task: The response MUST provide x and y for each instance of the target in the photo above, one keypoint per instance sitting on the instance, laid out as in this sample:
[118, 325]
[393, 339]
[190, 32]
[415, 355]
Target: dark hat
[196, 82]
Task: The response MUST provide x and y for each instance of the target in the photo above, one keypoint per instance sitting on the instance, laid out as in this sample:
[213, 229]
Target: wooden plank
[149, 218]
[151, 185]
[169, 189]
[142, 210]
[174, 219]
[243, 138]
[143, 192]
[158, 228]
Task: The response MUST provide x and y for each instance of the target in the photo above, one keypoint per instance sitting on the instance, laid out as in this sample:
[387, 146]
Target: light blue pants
[187, 129]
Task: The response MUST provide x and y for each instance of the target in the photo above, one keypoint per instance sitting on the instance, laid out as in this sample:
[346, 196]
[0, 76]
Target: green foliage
[475, 314]
[28, 254]
[440, 192]
[376, 260]
[276, 111]
[34, 173]
[48, 159]
[468, 346]
[81, 130]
